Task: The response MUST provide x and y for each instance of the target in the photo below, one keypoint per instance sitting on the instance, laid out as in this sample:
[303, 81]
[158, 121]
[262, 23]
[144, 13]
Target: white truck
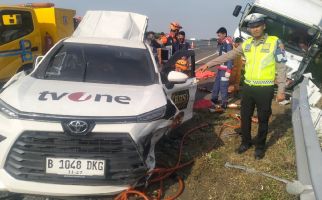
[298, 23]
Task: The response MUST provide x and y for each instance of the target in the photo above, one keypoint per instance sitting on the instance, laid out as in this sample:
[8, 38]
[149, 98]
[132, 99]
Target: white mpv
[85, 121]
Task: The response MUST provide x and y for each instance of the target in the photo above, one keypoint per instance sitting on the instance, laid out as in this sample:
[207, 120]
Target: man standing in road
[264, 55]
[222, 78]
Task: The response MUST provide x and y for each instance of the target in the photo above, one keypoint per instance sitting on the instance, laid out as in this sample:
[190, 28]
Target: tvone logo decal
[83, 96]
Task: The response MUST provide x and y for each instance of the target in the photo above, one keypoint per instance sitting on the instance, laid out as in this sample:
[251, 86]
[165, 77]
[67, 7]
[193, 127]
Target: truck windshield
[14, 24]
[99, 64]
[296, 36]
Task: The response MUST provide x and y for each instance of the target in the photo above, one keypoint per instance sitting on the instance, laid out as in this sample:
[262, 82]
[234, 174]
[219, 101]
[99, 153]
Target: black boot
[224, 105]
[259, 154]
[243, 148]
[215, 101]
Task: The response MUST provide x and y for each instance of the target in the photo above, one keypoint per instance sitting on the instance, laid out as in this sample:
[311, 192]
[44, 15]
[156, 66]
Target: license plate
[75, 167]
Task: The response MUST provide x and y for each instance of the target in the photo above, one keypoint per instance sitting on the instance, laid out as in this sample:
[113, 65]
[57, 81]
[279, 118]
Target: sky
[199, 18]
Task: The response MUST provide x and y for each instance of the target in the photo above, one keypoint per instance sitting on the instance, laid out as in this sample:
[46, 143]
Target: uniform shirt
[174, 43]
[279, 54]
[184, 46]
[225, 47]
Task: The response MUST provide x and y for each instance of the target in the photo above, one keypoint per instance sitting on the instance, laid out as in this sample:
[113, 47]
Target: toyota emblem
[78, 127]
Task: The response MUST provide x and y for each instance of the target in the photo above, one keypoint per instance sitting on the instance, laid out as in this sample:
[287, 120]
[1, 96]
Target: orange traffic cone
[192, 45]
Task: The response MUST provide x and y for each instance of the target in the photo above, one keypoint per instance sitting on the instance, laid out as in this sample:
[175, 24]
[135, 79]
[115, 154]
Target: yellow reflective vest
[260, 61]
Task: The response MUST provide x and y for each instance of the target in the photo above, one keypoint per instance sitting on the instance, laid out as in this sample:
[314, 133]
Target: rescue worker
[182, 65]
[264, 56]
[163, 39]
[153, 42]
[183, 44]
[235, 76]
[172, 39]
[222, 78]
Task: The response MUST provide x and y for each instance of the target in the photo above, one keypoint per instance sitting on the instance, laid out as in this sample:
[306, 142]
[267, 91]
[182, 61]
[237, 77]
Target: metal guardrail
[308, 149]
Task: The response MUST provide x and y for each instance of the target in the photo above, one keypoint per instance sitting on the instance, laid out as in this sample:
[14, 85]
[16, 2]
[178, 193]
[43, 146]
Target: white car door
[182, 94]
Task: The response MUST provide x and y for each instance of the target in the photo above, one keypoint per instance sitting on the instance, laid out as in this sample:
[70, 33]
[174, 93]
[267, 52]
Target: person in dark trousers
[222, 78]
[265, 55]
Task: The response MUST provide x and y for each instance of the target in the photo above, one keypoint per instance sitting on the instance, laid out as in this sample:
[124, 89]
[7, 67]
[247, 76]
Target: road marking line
[205, 58]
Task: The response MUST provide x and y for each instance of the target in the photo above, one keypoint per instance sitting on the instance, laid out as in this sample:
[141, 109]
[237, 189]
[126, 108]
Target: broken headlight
[152, 115]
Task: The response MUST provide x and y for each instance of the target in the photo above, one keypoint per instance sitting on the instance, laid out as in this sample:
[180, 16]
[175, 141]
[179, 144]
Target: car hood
[82, 99]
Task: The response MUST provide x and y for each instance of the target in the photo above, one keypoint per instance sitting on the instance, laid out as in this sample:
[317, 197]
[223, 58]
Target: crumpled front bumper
[143, 135]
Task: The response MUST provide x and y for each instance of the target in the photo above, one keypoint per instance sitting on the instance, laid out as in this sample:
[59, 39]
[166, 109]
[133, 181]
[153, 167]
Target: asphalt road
[204, 52]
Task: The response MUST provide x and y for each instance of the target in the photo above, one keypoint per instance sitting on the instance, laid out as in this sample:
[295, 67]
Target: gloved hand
[227, 74]
[202, 68]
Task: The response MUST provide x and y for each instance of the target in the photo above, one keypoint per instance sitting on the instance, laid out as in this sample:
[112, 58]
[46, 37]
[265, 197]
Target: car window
[293, 34]
[14, 25]
[101, 64]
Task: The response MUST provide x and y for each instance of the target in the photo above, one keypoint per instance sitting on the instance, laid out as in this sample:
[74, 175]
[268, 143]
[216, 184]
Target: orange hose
[237, 117]
[225, 125]
[180, 190]
[125, 194]
[162, 174]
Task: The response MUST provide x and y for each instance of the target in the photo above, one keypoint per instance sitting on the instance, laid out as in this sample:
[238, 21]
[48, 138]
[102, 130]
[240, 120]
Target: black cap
[222, 30]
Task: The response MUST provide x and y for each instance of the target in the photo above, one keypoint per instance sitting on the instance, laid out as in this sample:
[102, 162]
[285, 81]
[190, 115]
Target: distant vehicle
[27, 31]
[192, 39]
[296, 22]
[86, 120]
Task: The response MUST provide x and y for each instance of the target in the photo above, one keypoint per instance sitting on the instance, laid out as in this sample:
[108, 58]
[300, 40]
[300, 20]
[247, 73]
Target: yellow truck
[29, 30]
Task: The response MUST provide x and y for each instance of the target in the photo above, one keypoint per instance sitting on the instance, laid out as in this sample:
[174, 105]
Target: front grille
[27, 157]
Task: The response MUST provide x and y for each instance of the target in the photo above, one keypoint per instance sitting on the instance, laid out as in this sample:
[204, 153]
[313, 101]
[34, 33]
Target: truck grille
[27, 157]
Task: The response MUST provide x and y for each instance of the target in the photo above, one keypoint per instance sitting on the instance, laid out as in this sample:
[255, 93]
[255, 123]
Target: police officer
[264, 56]
[222, 78]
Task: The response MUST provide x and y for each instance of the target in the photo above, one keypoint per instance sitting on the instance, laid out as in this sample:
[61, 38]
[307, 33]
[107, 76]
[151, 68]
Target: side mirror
[177, 77]
[237, 10]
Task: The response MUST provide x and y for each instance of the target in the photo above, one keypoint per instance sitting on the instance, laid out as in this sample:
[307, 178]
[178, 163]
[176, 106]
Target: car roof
[112, 24]
[107, 41]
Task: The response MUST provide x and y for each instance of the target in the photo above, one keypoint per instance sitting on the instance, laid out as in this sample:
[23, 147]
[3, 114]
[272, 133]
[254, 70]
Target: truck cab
[27, 32]
[300, 31]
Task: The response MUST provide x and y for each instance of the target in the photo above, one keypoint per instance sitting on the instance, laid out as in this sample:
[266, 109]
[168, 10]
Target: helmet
[175, 26]
[255, 19]
[182, 65]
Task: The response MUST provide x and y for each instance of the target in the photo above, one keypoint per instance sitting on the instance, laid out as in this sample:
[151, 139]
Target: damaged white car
[86, 120]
